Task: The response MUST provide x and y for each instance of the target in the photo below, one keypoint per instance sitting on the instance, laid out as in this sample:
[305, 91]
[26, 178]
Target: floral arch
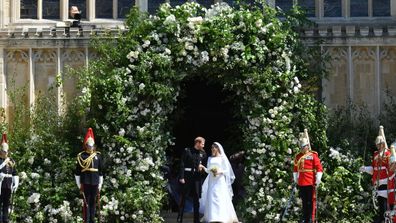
[136, 85]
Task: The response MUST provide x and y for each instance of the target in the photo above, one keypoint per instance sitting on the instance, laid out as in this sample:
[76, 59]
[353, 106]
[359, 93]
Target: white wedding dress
[216, 201]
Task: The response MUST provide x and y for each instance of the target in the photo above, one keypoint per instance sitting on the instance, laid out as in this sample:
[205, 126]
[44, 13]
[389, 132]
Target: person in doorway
[89, 176]
[217, 193]
[190, 176]
[307, 174]
[380, 170]
[8, 179]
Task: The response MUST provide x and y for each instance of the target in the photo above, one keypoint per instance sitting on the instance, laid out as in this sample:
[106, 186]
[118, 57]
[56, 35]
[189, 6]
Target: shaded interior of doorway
[205, 109]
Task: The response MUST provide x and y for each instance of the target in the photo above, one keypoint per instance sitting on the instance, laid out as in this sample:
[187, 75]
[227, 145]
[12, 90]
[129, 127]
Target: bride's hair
[214, 145]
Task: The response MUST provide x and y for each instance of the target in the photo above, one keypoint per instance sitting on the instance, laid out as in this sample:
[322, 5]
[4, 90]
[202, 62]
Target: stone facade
[359, 36]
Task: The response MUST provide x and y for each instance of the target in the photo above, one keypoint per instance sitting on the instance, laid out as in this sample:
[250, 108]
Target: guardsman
[8, 179]
[380, 172]
[190, 176]
[307, 174]
[89, 176]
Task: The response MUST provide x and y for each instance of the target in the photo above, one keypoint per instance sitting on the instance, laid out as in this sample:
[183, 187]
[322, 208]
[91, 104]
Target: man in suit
[190, 176]
[89, 176]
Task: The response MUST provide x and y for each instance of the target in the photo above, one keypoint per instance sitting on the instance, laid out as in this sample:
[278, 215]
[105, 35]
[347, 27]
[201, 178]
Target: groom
[190, 176]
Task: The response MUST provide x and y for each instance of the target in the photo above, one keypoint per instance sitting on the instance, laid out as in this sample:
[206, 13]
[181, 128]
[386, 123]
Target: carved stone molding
[73, 55]
[45, 56]
[17, 56]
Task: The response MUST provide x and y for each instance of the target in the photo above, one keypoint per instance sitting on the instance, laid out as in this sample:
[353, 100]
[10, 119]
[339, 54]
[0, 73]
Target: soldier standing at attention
[190, 176]
[307, 174]
[89, 176]
[8, 179]
[380, 171]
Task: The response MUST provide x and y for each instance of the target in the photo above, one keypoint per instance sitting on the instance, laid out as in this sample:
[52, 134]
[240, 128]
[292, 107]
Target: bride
[216, 199]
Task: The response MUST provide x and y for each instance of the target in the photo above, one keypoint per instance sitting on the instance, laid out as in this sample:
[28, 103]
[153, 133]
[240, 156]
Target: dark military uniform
[89, 168]
[189, 171]
[7, 172]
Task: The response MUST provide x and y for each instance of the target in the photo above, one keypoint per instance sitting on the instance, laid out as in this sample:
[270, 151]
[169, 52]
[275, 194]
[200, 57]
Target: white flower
[195, 20]
[170, 19]
[23, 175]
[259, 23]
[141, 86]
[31, 160]
[34, 198]
[121, 132]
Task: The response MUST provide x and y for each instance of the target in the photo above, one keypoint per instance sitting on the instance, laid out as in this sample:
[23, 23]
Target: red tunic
[380, 166]
[307, 165]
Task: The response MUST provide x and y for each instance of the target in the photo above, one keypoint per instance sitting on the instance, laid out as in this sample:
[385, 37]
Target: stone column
[64, 10]
[31, 78]
[14, 13]
[393, 8]
[3, 95]
[115, 9]
[39, 9]
[91, 10]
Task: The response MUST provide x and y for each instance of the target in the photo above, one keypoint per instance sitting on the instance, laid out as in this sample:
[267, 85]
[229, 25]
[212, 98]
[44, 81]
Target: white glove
[78, 181]
[15, 183]
[392, 159]
[295, 177]
[366, 169]
[318, 178]
[100, 183]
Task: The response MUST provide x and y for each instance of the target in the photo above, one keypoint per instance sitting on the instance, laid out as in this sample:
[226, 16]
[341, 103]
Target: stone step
[171, 217]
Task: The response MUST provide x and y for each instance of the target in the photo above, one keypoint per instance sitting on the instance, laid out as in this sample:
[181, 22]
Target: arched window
[81, 5]
[381, 8]
[28, 9]
[332, 8]
[308, 6]
[124, 6]
[104, 9]
[153, 5]
[359, 8]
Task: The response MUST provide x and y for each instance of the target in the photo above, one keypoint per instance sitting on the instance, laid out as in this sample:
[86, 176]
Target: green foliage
[135, 85]
[44, 160]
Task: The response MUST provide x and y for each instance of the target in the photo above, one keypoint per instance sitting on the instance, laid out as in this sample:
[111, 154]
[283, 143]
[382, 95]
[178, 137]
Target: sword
[288, 204]
[99, 206]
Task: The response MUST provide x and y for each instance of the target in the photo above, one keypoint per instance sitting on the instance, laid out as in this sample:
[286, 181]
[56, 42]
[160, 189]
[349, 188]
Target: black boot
[180, 217]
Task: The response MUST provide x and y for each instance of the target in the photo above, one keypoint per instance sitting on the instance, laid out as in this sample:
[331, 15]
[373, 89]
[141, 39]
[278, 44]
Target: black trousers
[382, 206]
[90, 192]
[306, 195]
[5, 204]
[191, 187]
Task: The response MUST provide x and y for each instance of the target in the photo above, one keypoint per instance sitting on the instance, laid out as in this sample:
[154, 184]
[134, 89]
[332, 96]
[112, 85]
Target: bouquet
[214, 170]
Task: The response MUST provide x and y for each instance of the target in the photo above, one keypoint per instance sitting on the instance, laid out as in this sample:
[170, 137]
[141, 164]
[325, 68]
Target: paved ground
[170, 217]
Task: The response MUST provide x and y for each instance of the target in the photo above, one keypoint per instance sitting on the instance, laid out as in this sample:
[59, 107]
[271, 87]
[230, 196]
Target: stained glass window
[381, 8]
[28, 9]
[285, 5]
[153, 5]
[308, 6]
[332, 8]
[359, 8]
[51, 9]
[104, 9]
[124, 6]
[205, 3]
[173, 3]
